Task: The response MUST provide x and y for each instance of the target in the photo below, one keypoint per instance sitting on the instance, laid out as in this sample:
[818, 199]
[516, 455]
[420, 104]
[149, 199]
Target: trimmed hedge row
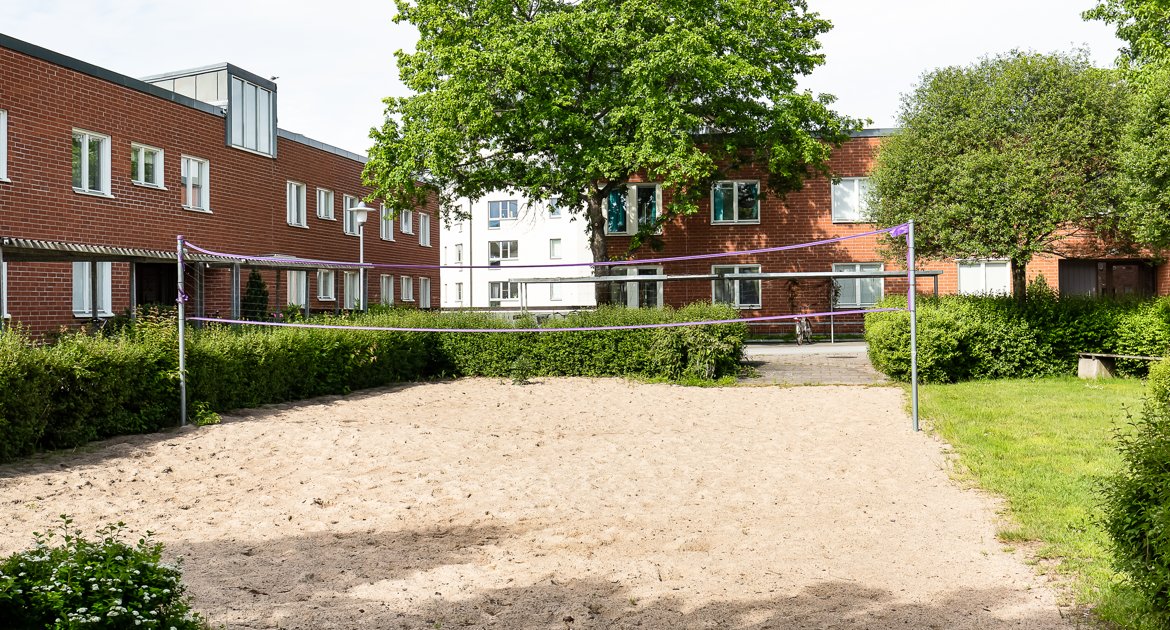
[974, 337]
[87, 387]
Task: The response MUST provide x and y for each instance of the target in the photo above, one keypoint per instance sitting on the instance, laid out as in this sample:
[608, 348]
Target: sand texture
[562, 504]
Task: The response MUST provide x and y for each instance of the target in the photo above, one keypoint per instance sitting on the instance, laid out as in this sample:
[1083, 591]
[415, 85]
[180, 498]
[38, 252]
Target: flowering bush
[86, 584]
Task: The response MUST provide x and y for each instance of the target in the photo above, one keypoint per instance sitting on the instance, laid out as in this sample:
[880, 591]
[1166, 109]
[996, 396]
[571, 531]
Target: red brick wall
[45, 102]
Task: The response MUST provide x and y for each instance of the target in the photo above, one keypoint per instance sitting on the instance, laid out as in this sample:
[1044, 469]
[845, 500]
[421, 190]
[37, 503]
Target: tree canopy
[569, 99]
[1001, 159]
[1144, 24]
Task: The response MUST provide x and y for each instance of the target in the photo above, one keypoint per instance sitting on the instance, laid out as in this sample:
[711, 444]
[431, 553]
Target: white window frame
[4, 146]
[247, 118]
[632, 223]
[348, 217]
[498, 287]
[406, 288]
[458, 253]
[502, 210]
[857, 268]
[554, 208]
[86, 138]
[204, 202]
[504, 251]
[4, 290]
[386, 289]
[296, 208]
[325, 204]
[736, 219]
[983, 263]
[554, 249]
[351, 290]
[554, 292]
[139, 178]
[631, 286]
[737, 285]
[459, 292]
[406, 219]
[82, 306]
[385, 226]
[326, 285]
[424, 229]
[855, 189]
[298, 287]
[424, 292]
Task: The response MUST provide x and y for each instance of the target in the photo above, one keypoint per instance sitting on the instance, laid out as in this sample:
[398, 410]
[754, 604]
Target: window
[353, 290]
[503, 291]
[386, 284]
[554, 208]
[738, 293]
[252, 123]
[325, 204]
[645, 200]
[83, 289]
[735, 202]
[295, 202]
[385, 226]
[349, 217]
[503, 250]
[91, 162]
[407, 220]
[326, 285]
[458, 253]
[636, 294]
[298, 287]
[554, 248]
[459, 292]
[424, 230]
[146, 165]
[984, 277]
[849, 200]
[195, 184]
[4, 290]
[406, 289]
[502, 211]
[554, 292]
[3, 145]
[424, 292]
[858, 292]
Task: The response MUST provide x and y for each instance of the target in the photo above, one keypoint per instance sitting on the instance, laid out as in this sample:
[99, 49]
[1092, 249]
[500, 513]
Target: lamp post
[359, 216]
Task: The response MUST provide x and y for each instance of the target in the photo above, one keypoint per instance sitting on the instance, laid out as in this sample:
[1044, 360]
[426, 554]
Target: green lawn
[1044, 445]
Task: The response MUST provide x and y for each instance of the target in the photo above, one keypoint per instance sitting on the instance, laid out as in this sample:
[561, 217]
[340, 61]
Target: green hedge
[974, 337]
[87, 387]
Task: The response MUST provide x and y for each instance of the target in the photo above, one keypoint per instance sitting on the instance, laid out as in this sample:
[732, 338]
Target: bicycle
[803, 331]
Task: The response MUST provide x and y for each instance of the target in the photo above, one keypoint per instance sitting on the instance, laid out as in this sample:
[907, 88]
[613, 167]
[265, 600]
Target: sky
[334, 60]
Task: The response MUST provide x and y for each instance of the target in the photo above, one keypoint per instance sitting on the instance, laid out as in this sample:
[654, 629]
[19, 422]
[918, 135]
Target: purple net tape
[614, 263]
[741, 320]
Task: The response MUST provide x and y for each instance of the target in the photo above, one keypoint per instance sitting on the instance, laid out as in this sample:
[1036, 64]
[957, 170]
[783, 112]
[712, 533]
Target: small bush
[1137, 500]
[105, 583]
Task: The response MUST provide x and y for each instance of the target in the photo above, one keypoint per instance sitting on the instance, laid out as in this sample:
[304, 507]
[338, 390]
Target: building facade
[100, 172]
[504, 230]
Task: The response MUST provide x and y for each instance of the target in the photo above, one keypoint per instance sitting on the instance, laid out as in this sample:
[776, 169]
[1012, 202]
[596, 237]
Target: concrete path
[841, 363]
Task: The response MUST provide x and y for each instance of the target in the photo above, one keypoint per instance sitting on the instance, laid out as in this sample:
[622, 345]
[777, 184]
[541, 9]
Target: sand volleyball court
[562, 504]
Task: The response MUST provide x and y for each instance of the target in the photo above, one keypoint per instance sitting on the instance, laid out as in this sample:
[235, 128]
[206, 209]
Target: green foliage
[1137, 501]
[1000, 158]
[1144, 182]
[1144, 24]
[570, 99]
[81, 583]
[978, 337]
[25, 395]
[254, 303]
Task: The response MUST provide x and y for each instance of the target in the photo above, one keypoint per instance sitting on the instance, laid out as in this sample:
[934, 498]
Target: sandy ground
[567, 503]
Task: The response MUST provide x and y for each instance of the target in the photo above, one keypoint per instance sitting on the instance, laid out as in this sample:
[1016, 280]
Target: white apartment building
[506, 230]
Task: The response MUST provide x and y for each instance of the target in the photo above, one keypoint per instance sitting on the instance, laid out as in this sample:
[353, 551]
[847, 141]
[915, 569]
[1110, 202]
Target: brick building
[99, 173]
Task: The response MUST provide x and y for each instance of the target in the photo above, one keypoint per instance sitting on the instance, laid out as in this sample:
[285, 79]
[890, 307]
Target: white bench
[1097, 365]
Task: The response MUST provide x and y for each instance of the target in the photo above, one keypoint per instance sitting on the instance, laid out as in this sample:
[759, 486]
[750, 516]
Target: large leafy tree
[1003, 158]
[572, 98]
[1143, 24]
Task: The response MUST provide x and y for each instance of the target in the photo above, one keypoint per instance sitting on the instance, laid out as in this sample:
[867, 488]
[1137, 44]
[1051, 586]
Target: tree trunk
[1020, 280]
[595, 224]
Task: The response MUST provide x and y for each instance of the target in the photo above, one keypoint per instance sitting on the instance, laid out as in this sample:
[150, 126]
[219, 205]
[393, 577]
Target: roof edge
[317, 144]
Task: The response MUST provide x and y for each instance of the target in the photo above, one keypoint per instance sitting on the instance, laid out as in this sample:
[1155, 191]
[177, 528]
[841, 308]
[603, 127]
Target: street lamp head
[360, 211]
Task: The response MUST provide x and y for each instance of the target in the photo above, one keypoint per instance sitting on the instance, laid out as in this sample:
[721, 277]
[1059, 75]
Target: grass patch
[1044, 445]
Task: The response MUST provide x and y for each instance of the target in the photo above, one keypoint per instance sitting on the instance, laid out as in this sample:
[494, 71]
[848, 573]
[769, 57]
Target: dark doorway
[157, 283]
[1106, 278]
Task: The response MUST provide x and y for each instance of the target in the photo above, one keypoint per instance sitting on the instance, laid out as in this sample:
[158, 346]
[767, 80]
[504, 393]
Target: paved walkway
[841, 363]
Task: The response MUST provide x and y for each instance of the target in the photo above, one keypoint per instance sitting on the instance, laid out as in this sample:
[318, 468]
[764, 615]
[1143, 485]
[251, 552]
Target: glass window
[554, 248]
[458, 291]
[647, 198]
[251, 117]
[738, 293]
[637, 294]
[298, 287]
[849, 200]
[458, 253]
[554, 292]
[91, 162]
[985, 277]
[859, 292]
[349, 217]
[503, 250]
[295, 204]
[424, 292]
[326, 285]
[386, 284]
[353, 290]
[643, 198]
[195, 184]
[406, 289]
[503, 290]
[3, 144]
[424, 230]
[146, 165]
[735, 202]
[83, 289]
[554, 208]
[407, 220]
[502, 211]
[616, 212]
[324, 203]
[385, 226]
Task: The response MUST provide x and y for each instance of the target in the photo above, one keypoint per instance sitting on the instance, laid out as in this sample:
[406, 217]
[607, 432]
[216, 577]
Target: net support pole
[182, 300]
[910, 297]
